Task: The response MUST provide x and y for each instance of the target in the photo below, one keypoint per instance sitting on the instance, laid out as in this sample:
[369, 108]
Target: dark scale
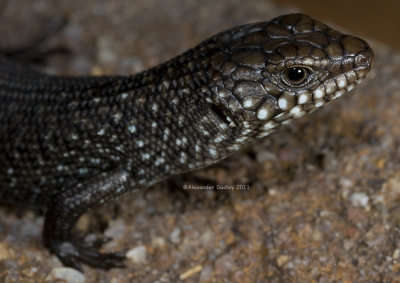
[71, 144]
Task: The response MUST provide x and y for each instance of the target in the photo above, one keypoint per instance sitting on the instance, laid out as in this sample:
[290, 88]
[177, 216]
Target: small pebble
[175, 236]
[346, 183]
[137, 255]
[225, 264]
[206, 274]
[116, 229]
[396, 254]
[359, 199]
[192, 271]
[282, 260]
[158, 242]
[65, 274]
[4, 253]
[264, 156]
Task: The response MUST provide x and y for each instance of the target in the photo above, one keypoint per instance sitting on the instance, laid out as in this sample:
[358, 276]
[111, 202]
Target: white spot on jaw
[330, 87]
[341, 82]
[319, 92]
[299, 114]
[264, 134]
[304, 97]
[140, 143]
[338, 94]
[319, 103]
[262, 114]
[286, 121]
[269, 126]
[283, 103]
[101, 132]
[295, 110]
[280, 115]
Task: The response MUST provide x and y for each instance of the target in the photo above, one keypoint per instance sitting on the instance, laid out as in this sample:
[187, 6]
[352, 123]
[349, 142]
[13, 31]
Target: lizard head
[272, 72]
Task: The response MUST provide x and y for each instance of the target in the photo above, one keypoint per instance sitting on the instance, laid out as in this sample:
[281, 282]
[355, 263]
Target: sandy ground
[323, 191]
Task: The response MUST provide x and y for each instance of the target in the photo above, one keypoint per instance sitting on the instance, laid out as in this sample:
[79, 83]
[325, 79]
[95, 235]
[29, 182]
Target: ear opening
[217, 111]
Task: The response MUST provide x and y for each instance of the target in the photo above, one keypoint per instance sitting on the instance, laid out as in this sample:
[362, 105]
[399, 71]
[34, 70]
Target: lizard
[70, 144]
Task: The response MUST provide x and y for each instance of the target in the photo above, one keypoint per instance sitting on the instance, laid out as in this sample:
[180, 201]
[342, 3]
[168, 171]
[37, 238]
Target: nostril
[363, 59]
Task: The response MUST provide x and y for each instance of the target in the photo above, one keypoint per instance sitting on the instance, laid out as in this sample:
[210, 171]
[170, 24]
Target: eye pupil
[296, 74]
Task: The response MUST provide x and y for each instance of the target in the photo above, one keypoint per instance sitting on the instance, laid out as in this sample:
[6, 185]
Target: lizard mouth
[296, 105]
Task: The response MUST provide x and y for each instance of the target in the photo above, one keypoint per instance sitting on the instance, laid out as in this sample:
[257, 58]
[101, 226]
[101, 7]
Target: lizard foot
[73, 253]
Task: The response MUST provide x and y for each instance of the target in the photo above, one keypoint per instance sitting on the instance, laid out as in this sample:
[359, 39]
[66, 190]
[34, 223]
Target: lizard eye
[296, 76]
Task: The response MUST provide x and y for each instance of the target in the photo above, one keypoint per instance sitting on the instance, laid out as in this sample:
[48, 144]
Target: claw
[106, 260]
[76, 265]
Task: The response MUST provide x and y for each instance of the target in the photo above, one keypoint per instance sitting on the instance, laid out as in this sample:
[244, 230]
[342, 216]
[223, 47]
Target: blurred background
[376, 19]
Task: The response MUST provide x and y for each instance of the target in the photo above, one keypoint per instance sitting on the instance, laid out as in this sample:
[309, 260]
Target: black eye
[296, 75]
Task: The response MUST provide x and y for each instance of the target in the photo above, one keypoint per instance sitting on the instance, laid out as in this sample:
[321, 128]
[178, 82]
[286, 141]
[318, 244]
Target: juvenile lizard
[70, 144]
